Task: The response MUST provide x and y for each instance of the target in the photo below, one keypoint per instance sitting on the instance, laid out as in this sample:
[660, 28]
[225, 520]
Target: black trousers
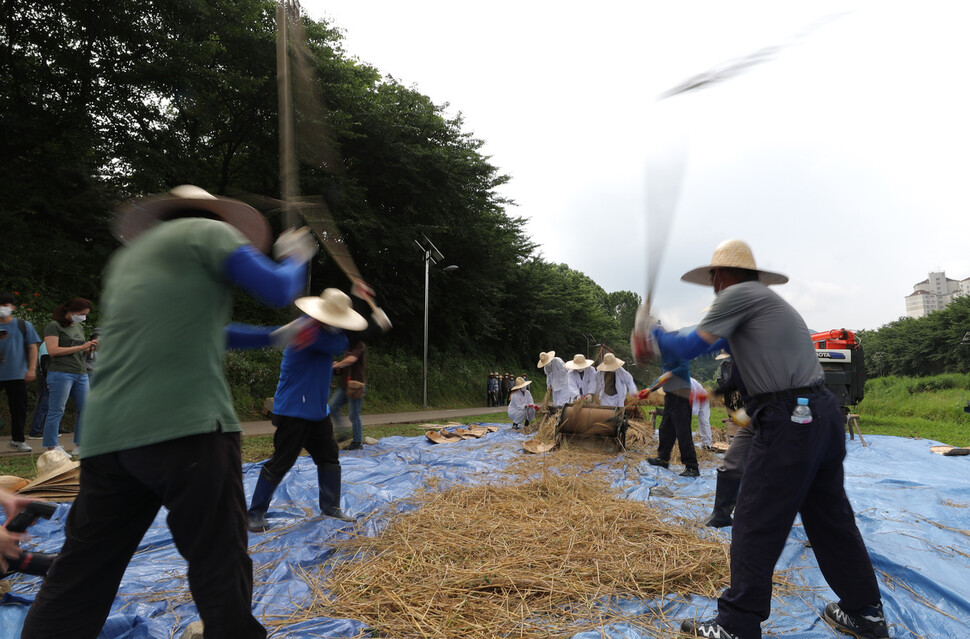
[199, 480]
[794, 468]
[293, 435]
[675, 426]
[17, 399]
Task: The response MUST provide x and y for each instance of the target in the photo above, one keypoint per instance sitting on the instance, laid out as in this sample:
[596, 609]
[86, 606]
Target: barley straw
[539, 551]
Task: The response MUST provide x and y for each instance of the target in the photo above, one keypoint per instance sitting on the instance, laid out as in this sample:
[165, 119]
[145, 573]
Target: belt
[788, 394]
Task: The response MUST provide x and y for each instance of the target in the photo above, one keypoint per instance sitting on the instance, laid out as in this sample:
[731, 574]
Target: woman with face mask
[67, 374]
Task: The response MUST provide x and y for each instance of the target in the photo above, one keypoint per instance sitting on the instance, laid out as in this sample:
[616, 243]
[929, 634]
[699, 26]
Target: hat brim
[517, 387]
[138, 216]
[314, 307]
[571, 365]
[723, 356]
[702, 275]
[541, 363]
[607, 369]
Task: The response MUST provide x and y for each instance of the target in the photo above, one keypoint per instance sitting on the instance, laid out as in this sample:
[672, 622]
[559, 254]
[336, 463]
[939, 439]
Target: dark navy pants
[791, 469]
[675, 426]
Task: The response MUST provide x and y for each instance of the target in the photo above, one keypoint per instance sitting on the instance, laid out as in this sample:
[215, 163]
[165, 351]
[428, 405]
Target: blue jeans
[337, 400]
[60, 386]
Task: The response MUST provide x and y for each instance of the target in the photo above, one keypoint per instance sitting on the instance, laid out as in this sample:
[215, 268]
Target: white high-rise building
[934, 294]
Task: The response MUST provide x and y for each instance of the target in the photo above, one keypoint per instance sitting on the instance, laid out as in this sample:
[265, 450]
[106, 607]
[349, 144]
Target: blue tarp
[912, 506]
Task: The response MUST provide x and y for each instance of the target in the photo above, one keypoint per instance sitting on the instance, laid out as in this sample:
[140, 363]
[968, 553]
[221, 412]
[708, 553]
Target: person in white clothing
[700, 405]
[556, 379]
[522, 408]
[614, 382]
[582, 379]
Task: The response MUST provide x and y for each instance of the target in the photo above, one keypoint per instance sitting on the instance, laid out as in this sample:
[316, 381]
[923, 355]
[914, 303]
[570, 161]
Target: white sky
[843, 161]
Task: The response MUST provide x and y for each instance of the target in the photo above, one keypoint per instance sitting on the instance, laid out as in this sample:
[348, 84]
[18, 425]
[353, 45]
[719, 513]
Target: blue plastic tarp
[912, 507]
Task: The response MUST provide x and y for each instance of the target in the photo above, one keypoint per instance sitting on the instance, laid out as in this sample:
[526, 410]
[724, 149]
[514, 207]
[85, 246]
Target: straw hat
[610, 363]
[51, 460]
[731, 254]
[723, 355]
[579, 362]
[137, 216]
[521, 382]
[333, 308]
[545, 358]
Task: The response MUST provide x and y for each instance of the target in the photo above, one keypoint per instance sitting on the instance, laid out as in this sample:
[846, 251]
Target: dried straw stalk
[533, 556]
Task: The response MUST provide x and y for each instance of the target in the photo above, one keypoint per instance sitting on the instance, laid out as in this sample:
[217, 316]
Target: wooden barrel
[603, 426]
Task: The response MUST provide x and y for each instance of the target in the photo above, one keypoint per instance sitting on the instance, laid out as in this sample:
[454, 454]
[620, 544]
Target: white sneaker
[23, 447]
[60, 449]
[77, 451]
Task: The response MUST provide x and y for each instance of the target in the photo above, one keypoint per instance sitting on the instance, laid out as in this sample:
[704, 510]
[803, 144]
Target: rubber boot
[328, 477]
[725, 496]
[262, 495]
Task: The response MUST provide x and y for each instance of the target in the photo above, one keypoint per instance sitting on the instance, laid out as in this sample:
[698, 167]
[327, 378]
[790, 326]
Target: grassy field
[928, 408]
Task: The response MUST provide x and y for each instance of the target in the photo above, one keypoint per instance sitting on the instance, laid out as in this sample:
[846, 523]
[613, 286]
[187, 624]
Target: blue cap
[803, 401]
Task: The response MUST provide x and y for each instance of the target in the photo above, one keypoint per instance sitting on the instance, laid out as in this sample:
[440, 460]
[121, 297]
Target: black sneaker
[656, 461]
[708, 629]
[354, 446]
[690, 471]
[868, 623]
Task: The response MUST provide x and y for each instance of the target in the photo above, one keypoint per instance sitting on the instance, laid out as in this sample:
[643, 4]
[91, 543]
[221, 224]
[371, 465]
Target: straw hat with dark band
[610, 363]
[333, 308]
[731, 254]
[545, 358]
[138, 216]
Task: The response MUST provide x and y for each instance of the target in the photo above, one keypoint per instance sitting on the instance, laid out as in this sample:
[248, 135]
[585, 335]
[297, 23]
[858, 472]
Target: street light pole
[426, 250]
[427, 270]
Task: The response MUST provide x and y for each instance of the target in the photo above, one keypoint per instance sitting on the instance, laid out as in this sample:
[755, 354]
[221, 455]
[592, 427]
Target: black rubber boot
[328, 477]
[262, 495]
[725, 496]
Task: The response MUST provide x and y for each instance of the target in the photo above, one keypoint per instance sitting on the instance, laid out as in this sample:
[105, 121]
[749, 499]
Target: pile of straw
[538, 554]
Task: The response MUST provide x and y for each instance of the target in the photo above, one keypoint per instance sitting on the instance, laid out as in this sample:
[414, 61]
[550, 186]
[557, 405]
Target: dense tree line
[101, 103]
[930, 345]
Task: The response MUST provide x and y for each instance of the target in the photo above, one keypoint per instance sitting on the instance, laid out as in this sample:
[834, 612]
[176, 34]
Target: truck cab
[840, 354]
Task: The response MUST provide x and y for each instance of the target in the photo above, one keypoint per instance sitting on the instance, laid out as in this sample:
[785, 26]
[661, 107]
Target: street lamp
[430, 255]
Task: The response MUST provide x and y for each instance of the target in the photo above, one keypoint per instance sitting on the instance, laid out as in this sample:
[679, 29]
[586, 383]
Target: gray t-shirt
[769, 340]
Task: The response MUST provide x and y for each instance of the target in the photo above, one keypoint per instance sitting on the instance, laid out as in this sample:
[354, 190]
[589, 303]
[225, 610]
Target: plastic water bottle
[802, 413]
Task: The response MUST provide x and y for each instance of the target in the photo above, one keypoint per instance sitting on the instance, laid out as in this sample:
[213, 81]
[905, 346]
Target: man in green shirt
[160, 429]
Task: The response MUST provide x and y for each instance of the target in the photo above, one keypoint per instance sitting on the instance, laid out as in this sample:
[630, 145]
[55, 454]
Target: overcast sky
[843, 161]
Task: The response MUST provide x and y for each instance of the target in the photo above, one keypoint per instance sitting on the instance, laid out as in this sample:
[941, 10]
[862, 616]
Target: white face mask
[77, 319]
[6, 310]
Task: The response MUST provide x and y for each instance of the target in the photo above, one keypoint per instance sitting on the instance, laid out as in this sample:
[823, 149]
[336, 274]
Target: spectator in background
[40, 408]
[18, 367]
[353, 382]
[507, 383]
[67, 375]
[492, 389]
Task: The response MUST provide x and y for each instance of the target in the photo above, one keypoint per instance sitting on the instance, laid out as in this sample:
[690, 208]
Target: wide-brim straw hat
[545, 358]
[610, 363]
[521, 382]
[137, 216]
[333, 307]
[732, 254]
[579, 362]
[723, 355]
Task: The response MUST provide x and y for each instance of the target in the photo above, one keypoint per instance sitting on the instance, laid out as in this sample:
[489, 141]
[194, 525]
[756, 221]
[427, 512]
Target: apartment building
[934, 293]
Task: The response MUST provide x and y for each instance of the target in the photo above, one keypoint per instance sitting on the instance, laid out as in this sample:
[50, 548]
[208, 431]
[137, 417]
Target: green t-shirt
[67, 336]
[166, 303]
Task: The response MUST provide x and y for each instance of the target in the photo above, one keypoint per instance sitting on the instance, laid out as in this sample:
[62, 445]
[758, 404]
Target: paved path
[266, 428]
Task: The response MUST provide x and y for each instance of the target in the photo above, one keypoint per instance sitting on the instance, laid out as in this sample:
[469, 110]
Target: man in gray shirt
[792, 468]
